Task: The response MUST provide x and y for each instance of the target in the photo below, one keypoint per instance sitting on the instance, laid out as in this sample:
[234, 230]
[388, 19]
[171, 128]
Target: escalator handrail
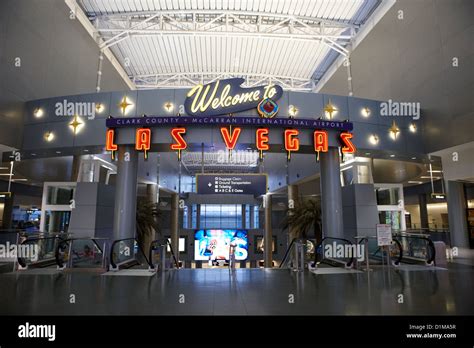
[399, 245]
[21, 260]
[288, 252]
[400, 249]
[112, 262]
[348, 264]
[60, 262]
[430, 244]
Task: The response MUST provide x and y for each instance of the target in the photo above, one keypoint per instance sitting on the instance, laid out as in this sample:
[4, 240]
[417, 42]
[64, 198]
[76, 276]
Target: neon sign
[230, 139]
[227, 97]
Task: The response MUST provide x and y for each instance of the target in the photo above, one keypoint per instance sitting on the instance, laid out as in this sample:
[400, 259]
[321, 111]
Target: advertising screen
[215, 244]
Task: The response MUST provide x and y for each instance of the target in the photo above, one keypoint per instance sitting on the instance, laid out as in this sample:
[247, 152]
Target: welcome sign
[227, 97]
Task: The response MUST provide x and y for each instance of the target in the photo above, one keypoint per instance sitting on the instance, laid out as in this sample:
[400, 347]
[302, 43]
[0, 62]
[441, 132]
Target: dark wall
[58, 57]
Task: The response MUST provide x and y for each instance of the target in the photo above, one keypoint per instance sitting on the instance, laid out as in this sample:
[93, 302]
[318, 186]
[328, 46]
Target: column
[152, 197]
[293, 202]
[126, 193]
[76, 163]
[423, 211]
[331, 199]
[243, 216]
[174, 224]
[198, 216]
[252, 217]
[8, 211]
[457, 214]
[268, 236]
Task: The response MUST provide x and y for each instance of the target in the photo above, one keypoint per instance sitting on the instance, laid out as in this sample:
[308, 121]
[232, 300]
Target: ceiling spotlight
[124, 104]
[99, 107]
[374, 139]
[392, 156]
[76, 124]
[169, 106]
[413, 158]
[329, 110]
[365, 112]
[49, 136]
[38, 112]
[394, 131]
[412, 127]
[58, 152]
[292, 111]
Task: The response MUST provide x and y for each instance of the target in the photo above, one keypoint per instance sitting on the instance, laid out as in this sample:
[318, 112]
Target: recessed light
[367, 153]
[392, 156]
[58, 152]
[33, 154]
[413, 158]
[85, 150]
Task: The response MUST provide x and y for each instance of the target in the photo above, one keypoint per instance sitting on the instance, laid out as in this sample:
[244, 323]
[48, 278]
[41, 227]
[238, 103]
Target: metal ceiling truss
[186, 80]
[115, 28]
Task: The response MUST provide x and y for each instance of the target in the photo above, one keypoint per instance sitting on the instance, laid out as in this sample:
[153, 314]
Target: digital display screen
[215, 244]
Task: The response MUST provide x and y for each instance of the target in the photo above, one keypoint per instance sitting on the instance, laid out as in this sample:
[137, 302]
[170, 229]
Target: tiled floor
[244, 291]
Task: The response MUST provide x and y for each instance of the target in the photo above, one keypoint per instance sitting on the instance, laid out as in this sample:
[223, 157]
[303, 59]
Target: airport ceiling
[181, 43]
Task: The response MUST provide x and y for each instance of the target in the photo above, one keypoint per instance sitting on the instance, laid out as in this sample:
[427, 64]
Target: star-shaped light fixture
[124, 104]
[394, 131]
[292, 111]
[49, 136]
[38, 112]
[329, 110]
[76, 124]
[365, 112]
[99, 107]
[374, 139]
[169, 106]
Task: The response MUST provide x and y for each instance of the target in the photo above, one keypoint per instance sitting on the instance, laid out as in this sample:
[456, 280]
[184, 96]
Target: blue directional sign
[247, 184]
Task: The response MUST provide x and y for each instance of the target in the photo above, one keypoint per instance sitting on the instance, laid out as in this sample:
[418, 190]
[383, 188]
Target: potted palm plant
[306, 215]
[148, 223]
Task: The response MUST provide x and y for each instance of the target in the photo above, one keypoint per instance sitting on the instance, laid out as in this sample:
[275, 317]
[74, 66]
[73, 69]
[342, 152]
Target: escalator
[377, 255]
[318, 255]
[82, 253]
[162, 256]
[334, 252]
[41, 248]
[417, 248]
[127, 253]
